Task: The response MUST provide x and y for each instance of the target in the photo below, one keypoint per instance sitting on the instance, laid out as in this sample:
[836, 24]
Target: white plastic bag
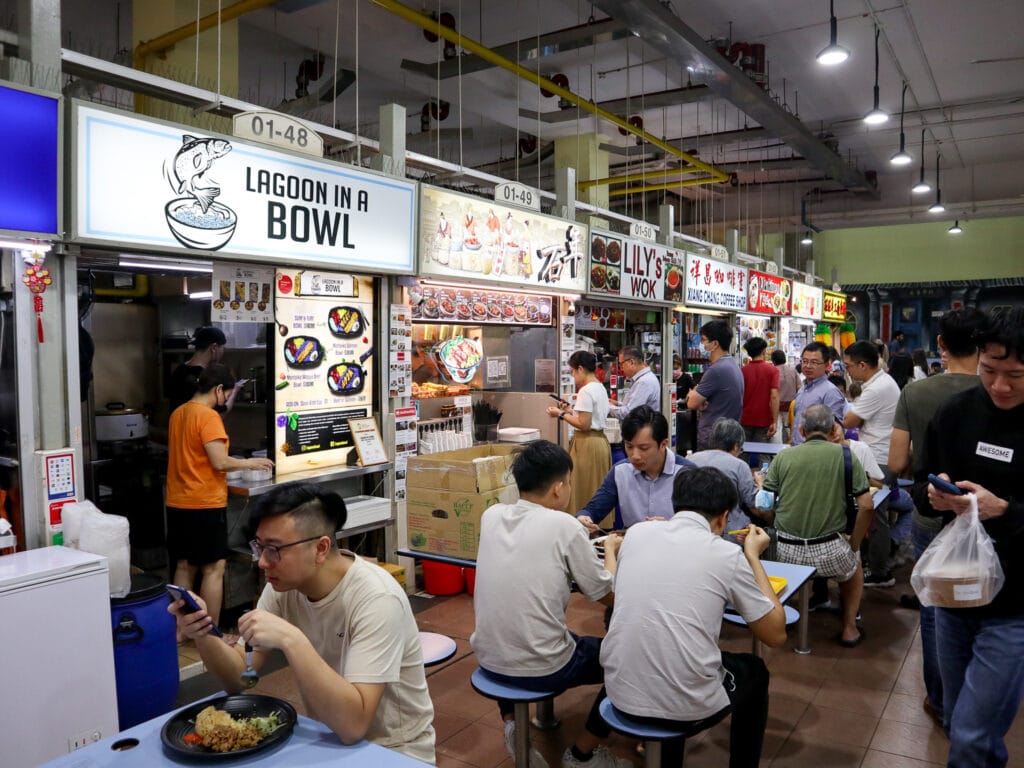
[960, 568]
[107, 535]
[71, 516]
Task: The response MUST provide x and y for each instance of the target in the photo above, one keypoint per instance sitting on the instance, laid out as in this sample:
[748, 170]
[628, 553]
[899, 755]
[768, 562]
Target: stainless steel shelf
[325, 475]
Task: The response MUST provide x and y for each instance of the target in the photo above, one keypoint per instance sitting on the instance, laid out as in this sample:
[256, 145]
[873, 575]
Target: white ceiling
[973, 112]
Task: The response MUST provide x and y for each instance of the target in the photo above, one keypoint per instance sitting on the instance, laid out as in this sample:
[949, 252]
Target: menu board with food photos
[468, 237]
[448, 304]
[768, 294]
[241, 294]
[715, 284]
[323, 366]
[833, 307]
[635, 270]
[806, 301]
[594, 317]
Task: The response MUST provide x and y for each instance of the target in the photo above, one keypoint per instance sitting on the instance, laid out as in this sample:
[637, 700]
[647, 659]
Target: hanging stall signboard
[30, 129]
[634, 270]
[715, 284]
[833, 307]
[469, 238]
[156, 185]
[768, 294]
[323, 366]
[806, 301]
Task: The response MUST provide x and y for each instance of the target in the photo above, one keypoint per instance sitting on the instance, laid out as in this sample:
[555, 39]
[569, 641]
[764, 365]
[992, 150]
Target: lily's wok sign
[153, 184]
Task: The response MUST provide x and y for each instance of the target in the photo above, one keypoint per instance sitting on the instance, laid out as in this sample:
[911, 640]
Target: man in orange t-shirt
[197, 492]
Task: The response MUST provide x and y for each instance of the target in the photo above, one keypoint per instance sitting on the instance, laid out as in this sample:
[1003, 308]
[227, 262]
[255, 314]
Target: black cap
[207, 335]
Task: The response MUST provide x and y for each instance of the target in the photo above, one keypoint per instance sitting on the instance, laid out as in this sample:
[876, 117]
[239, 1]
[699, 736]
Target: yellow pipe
[630, 177]
[454, 36]
[656, 187]
[185, 31]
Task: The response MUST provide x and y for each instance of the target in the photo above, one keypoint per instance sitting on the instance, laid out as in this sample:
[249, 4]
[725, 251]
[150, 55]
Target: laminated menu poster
[323, 366]
[367, 440]
[400, 352]
[241, 294]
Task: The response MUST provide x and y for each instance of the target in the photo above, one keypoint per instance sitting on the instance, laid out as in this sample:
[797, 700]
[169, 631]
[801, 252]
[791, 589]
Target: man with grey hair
[809, 484]
[644, 387]
[726, 446]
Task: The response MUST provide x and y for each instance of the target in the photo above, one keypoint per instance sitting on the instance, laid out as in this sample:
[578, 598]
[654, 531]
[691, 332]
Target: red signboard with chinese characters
[715, 284]
[768, 294]
[833, 307]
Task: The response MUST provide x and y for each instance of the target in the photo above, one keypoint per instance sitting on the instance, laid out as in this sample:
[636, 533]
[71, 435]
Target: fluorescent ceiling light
[807, 240]
[937, 207]
[955, 229]
[901, 158]
[875, 117]
[921, 187]
[164, 265]
[25, 245]
[833, 53]
[201, 295]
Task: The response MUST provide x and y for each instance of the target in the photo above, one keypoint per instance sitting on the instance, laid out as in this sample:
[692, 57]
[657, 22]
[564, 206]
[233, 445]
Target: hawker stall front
[492, 329]
[265, 259]
[633, 284]
[805, 320]
[769, 300]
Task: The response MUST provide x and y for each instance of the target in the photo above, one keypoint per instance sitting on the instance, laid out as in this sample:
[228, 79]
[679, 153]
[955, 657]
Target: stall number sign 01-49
[513, 193]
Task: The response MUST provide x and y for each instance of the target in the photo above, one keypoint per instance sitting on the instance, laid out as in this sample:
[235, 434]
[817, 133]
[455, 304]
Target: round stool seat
[792, 617]
[623, 723]
[492, 689]
[436, 648]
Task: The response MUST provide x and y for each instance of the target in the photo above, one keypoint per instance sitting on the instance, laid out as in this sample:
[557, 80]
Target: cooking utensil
[239, 705]
[348, 378]
[250, 676]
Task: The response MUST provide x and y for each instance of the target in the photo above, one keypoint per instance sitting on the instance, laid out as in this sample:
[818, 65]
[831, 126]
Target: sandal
[852, 643]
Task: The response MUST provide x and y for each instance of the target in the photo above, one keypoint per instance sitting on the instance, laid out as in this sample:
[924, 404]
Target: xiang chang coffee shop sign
[173, 188]
[715, 284]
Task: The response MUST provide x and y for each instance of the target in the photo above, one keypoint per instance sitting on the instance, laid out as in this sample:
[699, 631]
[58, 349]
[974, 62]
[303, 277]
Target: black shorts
[199, 536]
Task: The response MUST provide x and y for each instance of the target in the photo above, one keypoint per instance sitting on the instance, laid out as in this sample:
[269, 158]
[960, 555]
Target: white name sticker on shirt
[996, 452]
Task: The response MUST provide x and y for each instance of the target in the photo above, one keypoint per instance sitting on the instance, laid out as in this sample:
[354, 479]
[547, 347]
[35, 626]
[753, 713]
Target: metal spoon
[250, 676]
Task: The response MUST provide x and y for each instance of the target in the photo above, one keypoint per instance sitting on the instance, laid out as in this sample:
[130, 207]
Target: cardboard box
[395, 570]
[473, 470]
[448, 522]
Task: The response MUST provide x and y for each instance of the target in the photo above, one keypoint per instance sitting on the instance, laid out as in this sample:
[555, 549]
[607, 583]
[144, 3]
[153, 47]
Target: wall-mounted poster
[468, 237]
[242, 294]
[768, 294]
[634, 269]
[715, 284]
[323, 366]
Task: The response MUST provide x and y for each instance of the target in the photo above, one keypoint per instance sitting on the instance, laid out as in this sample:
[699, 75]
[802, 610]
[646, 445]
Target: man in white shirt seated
[674, 580]
[343, 624]
[530, 554]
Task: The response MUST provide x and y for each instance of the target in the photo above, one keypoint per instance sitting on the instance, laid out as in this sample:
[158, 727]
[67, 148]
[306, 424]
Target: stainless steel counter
[324, 475]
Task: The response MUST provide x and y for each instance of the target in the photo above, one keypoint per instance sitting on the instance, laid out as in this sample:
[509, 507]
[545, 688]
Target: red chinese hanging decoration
[36, 278]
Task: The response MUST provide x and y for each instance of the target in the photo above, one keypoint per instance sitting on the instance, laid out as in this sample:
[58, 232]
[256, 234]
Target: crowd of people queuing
[348, 631]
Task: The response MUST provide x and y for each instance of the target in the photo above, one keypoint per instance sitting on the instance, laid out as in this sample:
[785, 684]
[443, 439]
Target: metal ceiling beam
[657, 26]
[527, 49]
[635, 105]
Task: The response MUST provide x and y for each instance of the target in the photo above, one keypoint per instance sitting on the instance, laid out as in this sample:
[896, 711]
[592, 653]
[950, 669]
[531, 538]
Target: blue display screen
[28, 174]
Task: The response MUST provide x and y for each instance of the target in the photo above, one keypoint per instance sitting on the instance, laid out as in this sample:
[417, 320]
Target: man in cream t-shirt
[531, 552]
[344, 626]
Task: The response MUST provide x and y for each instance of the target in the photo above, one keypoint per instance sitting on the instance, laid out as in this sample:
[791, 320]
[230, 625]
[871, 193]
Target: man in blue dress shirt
[644, 388]
[817, 388]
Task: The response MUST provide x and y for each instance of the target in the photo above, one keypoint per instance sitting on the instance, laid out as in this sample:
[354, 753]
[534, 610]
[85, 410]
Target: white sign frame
[125, 169]
[715, 295]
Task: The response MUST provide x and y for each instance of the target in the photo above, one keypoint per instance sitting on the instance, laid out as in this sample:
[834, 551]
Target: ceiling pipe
[425, 22]
[804, 220]
[658, 27]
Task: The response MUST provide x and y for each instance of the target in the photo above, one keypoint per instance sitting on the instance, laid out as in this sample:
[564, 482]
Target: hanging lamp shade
[902, 157]
[833, 53]
[877, 115]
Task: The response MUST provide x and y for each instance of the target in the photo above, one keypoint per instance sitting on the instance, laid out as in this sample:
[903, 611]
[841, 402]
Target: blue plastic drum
[145, 652]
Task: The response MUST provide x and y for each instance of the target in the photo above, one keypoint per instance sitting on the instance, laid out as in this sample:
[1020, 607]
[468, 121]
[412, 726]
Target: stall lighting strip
[170, 266]
[498, 287]
[697, 311]
[25, 245]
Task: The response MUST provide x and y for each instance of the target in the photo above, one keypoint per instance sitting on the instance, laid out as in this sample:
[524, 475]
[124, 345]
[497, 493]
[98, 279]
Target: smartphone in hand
[945, 486]
[191, 606]
[562, 402]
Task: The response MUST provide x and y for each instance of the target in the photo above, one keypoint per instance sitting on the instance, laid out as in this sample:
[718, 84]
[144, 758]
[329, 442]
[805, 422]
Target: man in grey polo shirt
[644, 387]
[642, 486]
[673, 581]
[719, 395]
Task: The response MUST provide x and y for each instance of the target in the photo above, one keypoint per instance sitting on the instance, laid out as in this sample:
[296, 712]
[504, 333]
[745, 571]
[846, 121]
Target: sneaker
[602, 758]
[879, 580]
[536, 758]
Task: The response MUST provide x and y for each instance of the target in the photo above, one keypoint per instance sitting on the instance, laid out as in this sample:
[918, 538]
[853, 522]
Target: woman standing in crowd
[920, 364]
[197, 491]
[589, 449]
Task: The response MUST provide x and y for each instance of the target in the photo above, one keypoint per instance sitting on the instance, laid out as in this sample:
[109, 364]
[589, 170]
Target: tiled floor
[834, 708]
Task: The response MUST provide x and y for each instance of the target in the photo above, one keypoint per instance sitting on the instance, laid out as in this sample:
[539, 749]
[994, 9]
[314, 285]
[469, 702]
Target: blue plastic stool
[520, 698]
[437, 648]
[792, 617]
[652, 735]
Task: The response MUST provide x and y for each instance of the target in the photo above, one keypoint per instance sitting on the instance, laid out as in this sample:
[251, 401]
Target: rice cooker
[116, 423]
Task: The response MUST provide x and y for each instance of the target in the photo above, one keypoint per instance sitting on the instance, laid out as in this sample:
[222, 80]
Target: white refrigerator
[57, 687]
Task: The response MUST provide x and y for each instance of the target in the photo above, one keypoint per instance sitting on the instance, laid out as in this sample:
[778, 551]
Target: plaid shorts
[833, 558]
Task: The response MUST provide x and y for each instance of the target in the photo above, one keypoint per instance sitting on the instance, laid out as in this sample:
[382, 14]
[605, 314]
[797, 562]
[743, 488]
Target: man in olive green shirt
[808, 481]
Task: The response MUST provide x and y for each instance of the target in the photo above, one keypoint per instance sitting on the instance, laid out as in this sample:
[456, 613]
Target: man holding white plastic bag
[976, 440]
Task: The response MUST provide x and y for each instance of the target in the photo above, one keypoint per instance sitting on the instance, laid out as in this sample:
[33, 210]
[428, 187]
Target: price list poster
[400, 352]
[405, 445]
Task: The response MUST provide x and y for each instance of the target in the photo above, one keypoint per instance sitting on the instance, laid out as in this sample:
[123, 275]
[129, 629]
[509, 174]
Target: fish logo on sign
[195, 218]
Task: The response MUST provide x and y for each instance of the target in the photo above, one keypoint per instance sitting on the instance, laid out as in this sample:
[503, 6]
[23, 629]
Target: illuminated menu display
[833, 307]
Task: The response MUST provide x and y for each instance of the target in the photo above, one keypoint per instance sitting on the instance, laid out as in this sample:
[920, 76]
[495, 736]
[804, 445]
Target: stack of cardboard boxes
[448, 492]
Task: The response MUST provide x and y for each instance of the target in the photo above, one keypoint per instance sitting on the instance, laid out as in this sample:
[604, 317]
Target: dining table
[311, 743]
